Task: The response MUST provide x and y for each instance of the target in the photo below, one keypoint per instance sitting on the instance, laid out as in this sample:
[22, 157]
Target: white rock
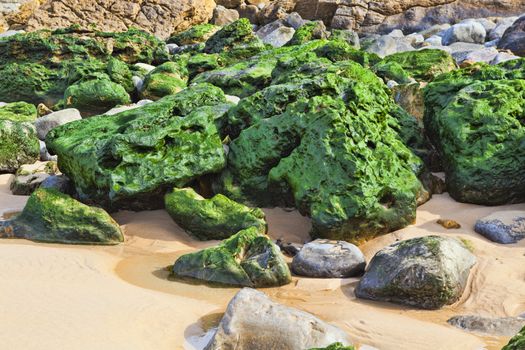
[147, 67]
[172, 48]
[486, 55]
[434, 40]
[415, 38]
[232, 99]
[50, 121]
[138, 82]
[503, 57]
[396, 33]
[468, 32]
[279, 37]
[44, 154]
[144, 102]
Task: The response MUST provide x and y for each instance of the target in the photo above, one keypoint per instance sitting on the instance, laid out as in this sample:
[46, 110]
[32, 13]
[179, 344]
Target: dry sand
[119, 297]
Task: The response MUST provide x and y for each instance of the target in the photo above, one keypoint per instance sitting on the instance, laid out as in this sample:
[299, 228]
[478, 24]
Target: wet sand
[120, 297]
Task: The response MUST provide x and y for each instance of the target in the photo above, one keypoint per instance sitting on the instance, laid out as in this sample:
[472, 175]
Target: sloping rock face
[254, 322]
[514, 38]
[159, 17]
[474, 117]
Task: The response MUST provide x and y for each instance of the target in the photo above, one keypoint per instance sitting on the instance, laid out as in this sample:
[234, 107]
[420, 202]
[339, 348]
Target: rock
[289, 248]
[503, 57]
[396, 33]
[517, 342]
[434, 40]
[29, 177]
[18, 112]
[501, 28]
[223, 16]
[166, 79]
[309, 31]
[18, 145]
[514, 38]
[502, 327]
[194, 35]
[274, 326]
[384, 46]
[415, 39]
[294, 20]
[267, 29]
[504, 227]
[60, 183]
[139, 153]
[120, 109]
[94, 97]
[279, 37]
[461, 50]
[493, 43]
[349, 36]
[54, 217]
[435, 30]
[425, 272]
[481, 166]
[248, 258]
[467, 32]
[216, 218]
[410, 97]
[275, 10]
[487, 24]
[484, 55]
[250, 12]
[232, 99]
[449, 224]
[46, 123]
[138, 83]
[329, 259]
[161, 18]
[146, 67]
[44, 154]
[230, 4]
[237, 38]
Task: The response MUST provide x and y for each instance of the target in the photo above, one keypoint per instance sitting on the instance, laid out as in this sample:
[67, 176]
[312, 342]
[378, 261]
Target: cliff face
[159, 17]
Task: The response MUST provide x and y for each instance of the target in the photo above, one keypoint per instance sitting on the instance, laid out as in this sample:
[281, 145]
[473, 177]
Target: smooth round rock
[329, 259]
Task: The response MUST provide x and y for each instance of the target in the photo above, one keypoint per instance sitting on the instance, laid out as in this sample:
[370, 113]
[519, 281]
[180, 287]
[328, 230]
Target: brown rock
[278, 9]
[250, 12]
[159, 17]
[449, 224]
[229, 4]
[223, 16]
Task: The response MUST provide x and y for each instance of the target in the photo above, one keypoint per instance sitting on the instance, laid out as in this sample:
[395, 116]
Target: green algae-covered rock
[517, 342]
[167, 79]
[422, 65]
[295, 149]
[308, 32]
[196, 34]
[392, 71]
[30, 176]
[335, 346]
[247, 258]
[131, 159]
[54, 217]
[18, 145]
[95, 96]
[120, 73]
[18, 112]
[474, 117]
[426, 272]
[214, 218]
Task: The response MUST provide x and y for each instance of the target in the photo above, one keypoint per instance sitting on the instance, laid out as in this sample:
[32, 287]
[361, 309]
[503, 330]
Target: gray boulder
[504, 227]
[61, 183]
[279, 37]
[329, 259]
[461, 50]
[434, 40]
[503, 57]
[44, 154]
[425, 272]
[387, 45]
[501, 27]
[48, 122]
[254, 322]
[30, 176]
[486, 55]
[294, 20]
[467, 32]
[514, 38]
[502, 327]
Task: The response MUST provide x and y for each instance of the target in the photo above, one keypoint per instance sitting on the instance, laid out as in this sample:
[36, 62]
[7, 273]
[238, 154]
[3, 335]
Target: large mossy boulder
[132, 158]
[18, 112]
[54, 217]
[167, 79]
[18, 145]
[475, 118]
[319, 139]
[425, 272]
[215, 218]
[248, 258]
[517, 342]
[195, 35]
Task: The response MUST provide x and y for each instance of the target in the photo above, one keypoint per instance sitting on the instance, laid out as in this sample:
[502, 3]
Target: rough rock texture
[504, 326]
[514, 38]
[329, 259]
[166, 79]
[18, 145]
[517, 342]
[248, 258]
[475, 118]
[254, 322]
[131, 158]
[159, 17]
[216, 218]
[51, 216]
[425, 272]
[29, 177]
[505, 227]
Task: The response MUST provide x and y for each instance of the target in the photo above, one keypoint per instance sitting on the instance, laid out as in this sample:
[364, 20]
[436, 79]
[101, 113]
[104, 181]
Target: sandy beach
[120, 297]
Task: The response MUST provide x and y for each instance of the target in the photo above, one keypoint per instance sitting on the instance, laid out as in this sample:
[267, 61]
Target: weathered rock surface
[18, 145]
[30, 176]
[48, 122]
[505, 227]
[216, 218]
[54, 217]
[329, 259]
[504, 326]
[514, 38]
[425, 272]
[253, 321]
[132, 158]
[466, 32]
[159, 17]
[248, 258]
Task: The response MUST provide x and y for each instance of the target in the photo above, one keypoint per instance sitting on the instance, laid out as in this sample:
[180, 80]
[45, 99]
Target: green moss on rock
[54, 217]
[167, 79]
[196, 34]
[517, 342]
[18, 112]
[18, 145]
[308, 32]
[247, 258]
[214, 218]
[130, 159]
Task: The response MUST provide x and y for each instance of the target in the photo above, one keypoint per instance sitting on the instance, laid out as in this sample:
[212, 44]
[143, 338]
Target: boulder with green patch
[167, 79]
[18, 112]
[196, 34]
[18, 145]
[53, 217]
[215, 218]
[132, 158]
[248, 258]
